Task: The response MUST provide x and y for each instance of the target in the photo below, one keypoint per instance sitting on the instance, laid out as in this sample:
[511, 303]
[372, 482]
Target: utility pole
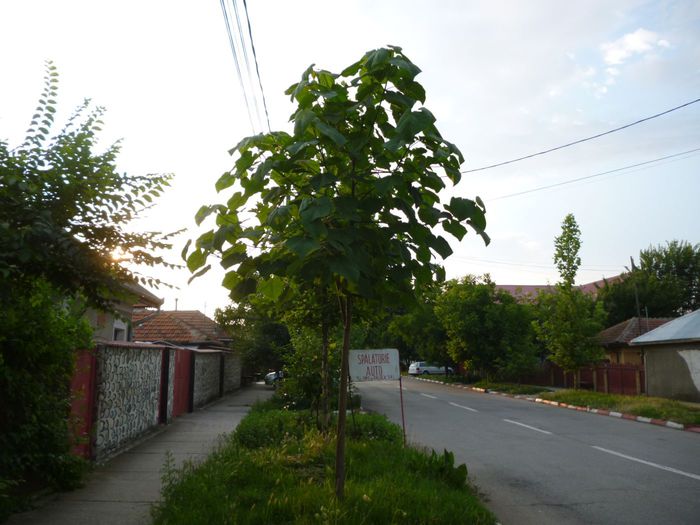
[636, 300]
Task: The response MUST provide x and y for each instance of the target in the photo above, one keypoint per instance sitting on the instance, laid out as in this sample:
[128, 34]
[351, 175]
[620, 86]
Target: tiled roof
[529, 291]
[622, 333]
[524, 291]
[181, 327]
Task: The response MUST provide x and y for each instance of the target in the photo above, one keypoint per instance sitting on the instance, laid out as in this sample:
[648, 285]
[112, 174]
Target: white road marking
[462, 406]
[648, 463]
[528, 426]
[428, 395]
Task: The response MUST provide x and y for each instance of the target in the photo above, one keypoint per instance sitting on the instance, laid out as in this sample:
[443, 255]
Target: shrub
[38, 336]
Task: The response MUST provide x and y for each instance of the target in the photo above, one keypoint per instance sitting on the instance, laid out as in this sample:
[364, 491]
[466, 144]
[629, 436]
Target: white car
[273, 377]
[422, 367]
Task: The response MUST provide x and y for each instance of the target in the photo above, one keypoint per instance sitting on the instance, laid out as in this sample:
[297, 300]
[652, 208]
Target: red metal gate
[82, 407]
[182, 385]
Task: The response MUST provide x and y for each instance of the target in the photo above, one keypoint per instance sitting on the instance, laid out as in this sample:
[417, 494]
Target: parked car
[273, 378]
[422, 367]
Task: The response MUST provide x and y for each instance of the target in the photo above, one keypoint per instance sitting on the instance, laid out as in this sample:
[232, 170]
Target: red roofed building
[616, 339]
[528, 292]
[189, 328]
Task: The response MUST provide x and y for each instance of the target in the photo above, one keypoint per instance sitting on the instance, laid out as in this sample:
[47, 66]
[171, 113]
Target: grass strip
[278, 468]
[652, 407]
[508, 388]
[512, 388]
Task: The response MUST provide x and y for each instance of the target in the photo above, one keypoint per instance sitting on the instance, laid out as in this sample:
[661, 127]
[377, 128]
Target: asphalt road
[537, 464]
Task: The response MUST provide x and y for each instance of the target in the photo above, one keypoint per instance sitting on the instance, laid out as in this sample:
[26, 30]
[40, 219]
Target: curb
[598, 411]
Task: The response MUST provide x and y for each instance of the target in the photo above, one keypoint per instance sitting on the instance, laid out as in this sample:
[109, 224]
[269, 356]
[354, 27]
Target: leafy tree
[348, 201]
[64, 207]
[64, 210]
[567, 319]
[420, 329]
[567, 324]
[255, 328]
[665, 284]
[486, 328]
[566, 247]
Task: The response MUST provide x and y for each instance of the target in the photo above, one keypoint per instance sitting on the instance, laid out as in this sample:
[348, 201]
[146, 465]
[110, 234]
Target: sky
[504, 79]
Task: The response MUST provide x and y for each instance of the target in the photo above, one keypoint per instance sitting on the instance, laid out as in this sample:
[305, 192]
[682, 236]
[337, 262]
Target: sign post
[378, 365]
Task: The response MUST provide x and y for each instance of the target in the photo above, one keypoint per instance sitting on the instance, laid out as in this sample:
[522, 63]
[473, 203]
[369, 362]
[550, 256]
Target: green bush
[38, 337]
[264, 428]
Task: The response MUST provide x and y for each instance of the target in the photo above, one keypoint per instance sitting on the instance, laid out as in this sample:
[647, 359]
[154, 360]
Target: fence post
[605, 380]
[637, 381]
[595, 378]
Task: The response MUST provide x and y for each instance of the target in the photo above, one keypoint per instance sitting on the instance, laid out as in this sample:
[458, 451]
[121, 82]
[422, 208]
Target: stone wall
[171, 383]
[206, 377]
[128, 385]
[232, 371]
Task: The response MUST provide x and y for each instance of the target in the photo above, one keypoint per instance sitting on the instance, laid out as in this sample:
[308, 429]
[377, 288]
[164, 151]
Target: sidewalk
[122, 490]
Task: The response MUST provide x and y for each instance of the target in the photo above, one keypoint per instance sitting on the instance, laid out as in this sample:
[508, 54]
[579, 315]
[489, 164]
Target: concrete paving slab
[121, 491]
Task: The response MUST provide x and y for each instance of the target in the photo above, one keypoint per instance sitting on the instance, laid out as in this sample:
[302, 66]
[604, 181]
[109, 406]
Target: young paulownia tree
[347, 202]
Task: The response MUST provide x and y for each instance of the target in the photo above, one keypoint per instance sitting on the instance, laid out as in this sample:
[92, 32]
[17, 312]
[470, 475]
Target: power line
[257, 68]
[235, 59]
[659, 159]
[244, 48]
[589, 268]
[582, 140]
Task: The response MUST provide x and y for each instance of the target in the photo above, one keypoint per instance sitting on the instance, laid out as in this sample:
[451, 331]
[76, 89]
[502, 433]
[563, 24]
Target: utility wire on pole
[235, 59]
[582, 140]
[244, 48]
[659, 159]
[257, 68]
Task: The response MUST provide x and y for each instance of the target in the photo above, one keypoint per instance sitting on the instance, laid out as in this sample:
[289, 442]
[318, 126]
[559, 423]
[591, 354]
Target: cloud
[640, 42]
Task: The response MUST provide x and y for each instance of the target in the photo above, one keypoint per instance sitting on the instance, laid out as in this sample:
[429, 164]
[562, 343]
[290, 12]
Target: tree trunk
[346, 307]
[325, 377]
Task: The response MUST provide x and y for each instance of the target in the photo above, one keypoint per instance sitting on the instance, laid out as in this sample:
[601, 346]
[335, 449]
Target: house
[117, 325]
[528, 292]
[615, 340]
[672, 358]
[186, 328]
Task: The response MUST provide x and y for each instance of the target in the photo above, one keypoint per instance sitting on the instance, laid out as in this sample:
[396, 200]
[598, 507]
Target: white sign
[374, 365]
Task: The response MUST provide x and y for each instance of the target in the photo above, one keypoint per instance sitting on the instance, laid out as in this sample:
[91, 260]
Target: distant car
[273, 377]
[423, 367]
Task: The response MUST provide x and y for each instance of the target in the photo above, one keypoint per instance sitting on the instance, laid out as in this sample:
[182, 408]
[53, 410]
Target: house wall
[625, 356]
[232, 371]
[674, 371]
[128, 386]
[206, 377]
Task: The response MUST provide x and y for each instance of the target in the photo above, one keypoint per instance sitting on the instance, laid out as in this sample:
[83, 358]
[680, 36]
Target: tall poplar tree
[568, 320]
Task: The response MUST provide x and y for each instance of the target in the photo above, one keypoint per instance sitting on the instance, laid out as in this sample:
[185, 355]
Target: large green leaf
[196, 260]
[440, 245]
[330, 132]
[271, 288]
[462, 208]
[377, 58]
[410, 124]
[346, 267]
[312, 209]
[302, 246]
[455, 228]
[409, 67]
[302, 119]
